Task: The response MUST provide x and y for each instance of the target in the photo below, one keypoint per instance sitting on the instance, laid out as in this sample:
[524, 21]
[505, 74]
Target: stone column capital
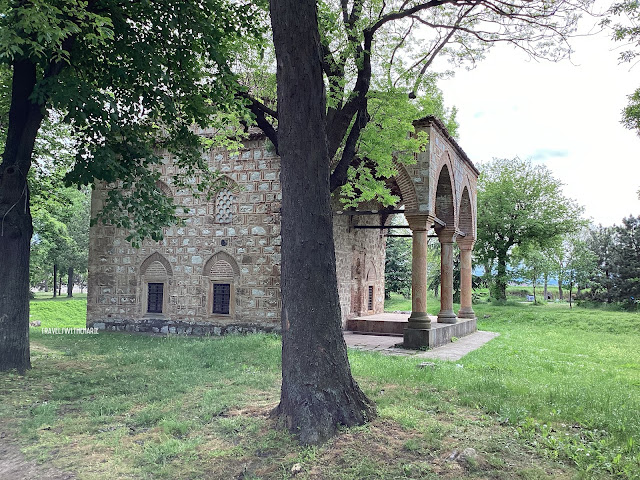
[465, 243]
[419, 222]
[446, 235]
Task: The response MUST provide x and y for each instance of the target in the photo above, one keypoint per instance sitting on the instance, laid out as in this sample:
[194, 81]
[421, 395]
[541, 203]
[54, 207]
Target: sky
[565, 115]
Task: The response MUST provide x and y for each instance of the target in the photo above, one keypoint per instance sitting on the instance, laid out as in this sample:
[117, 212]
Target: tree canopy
[378, 60]
[128, 78]
[624, 19]
[522, 205]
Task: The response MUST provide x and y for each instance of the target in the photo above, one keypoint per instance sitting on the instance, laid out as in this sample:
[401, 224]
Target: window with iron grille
[154, 298]
[370, 301]
[221, 298]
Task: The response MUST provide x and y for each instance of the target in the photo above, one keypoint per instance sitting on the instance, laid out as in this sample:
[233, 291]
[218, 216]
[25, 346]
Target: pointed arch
[445, 194]
[156, 257]
[221, 263]
[370, 273]
[407, 188]
[465, 214]
[223, 273]
[164, 188]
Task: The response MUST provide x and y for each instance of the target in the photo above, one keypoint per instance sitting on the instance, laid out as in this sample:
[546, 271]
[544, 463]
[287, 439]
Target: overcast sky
[565, 115]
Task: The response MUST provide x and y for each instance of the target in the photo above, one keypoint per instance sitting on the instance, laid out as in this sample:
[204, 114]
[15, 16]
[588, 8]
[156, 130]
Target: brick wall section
[249, 244]
[359, 253]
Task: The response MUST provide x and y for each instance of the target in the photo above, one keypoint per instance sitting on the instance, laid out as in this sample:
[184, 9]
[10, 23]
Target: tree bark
[318, 392]
[70, 282]
[560, 293]
[501, 279]
[15, 220]
[546, 283]
[55, 280]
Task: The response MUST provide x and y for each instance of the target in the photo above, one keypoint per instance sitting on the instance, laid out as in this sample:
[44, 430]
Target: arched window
[223, 273]
[225, 204]
[155, 274]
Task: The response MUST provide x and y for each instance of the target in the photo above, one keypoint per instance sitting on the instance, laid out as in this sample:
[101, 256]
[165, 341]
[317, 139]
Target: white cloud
[566, 115]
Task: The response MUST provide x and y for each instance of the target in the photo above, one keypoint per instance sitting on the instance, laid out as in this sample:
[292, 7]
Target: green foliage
[617, 276]
[626, 28]
[397, 265]
[520, 204]
[130, 80]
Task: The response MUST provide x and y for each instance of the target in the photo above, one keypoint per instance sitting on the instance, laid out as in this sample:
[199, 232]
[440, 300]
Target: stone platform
[394, 324]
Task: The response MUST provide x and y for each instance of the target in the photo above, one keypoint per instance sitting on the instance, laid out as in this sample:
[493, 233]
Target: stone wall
[234, 240]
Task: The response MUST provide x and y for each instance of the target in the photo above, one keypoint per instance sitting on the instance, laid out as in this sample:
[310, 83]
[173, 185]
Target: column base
[466, 313]
[419, 321]
[416, 338]
[447, 317]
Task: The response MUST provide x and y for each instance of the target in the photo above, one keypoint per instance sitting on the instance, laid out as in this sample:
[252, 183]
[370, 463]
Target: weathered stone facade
[225, 259]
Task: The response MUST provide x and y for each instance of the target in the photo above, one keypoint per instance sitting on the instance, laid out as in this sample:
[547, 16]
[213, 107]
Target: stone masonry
[220, 272]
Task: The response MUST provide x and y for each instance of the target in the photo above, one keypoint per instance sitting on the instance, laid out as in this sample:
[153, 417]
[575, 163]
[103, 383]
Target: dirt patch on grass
[15, 466]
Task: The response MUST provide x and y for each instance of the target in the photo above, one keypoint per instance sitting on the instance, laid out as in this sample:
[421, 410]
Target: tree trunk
[535, 299]
[15, 220]
[560, 292]
[318, 392]
[570, 289]
[46, 284]
[60, 284]
[501, 279]
[55, 280]
[70, 282]
[546, 283]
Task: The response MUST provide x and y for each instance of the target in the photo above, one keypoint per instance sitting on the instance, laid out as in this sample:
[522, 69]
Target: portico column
[466, 288]
[446, 314]
[419, 319]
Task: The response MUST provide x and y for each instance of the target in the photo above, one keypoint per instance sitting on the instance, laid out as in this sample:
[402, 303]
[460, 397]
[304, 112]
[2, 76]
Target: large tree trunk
[70, 282]
[15, 220]
[318, 392]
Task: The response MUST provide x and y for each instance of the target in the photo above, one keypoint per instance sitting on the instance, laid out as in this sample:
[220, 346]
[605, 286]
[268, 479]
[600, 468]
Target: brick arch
[164, 188]
[407, 188]
[221, 257]
[445, 193]
[370, 271]
[465, 213]
[156, 257]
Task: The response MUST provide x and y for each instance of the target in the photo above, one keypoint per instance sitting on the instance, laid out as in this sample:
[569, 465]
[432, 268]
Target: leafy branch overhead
[131, 79]
[380, 64]
[624, 20]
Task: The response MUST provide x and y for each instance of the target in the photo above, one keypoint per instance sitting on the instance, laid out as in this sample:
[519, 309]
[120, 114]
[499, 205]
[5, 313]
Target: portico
[439, 195]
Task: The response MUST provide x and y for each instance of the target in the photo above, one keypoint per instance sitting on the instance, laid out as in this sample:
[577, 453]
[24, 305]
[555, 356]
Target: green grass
[556, 395]
[60, 312]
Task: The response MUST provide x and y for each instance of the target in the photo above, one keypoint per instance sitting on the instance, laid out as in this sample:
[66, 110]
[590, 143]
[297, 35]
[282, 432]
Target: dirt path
[14, 465]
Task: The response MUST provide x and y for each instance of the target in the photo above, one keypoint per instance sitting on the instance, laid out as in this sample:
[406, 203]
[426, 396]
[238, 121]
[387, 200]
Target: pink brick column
[466, 309]
[446, 314]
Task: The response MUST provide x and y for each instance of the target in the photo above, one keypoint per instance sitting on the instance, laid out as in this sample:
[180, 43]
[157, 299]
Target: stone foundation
[166, 326]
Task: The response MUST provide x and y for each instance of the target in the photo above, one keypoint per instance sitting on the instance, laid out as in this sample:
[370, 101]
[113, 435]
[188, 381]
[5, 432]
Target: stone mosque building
[220, 272]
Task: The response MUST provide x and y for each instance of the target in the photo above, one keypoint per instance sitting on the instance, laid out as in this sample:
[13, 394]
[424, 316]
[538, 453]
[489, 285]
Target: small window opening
[221, 298]
[370, 301]
[154, 301]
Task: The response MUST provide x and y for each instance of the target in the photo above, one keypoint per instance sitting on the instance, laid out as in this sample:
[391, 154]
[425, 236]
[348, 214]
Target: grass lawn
[557, 395]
